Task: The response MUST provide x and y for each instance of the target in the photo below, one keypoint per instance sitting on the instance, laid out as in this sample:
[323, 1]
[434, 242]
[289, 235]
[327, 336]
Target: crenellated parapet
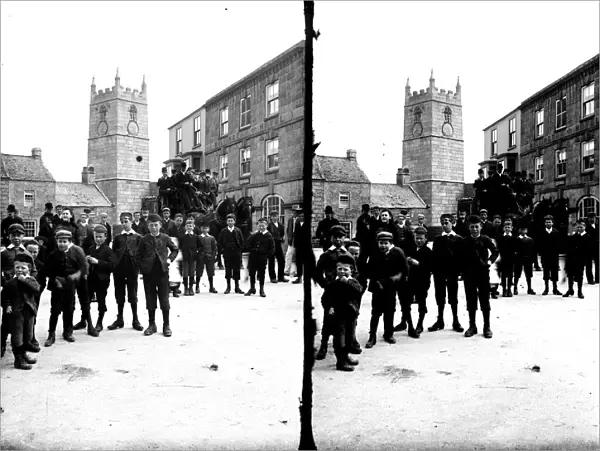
[433, 93]
[119, 92]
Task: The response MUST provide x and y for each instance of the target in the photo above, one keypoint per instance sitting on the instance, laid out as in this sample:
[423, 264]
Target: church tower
[433, 147]
[118, 145]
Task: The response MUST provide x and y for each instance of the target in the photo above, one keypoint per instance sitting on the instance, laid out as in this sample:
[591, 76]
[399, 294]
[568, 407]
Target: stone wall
[43, 192]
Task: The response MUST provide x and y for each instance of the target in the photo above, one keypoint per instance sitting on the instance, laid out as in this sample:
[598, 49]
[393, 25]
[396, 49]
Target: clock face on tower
[132, 128]
[102, 128]
[417, 129]
[447, 129]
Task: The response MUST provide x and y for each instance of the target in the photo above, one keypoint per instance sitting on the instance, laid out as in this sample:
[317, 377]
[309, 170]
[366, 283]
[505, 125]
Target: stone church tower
[433, 147]
[118, 145]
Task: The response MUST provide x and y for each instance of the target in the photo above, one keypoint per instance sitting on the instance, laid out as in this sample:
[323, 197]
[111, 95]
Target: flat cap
[16, 228]
[483, 210]
[154, 218]
[178, 215]
[230, 215]
[126, 214]
[384, 236]
[337, 230]
[24, 257]
[550, 217]
[474, 219]
[420, 230]
[100, 229]
[64, 233]
[167, 209]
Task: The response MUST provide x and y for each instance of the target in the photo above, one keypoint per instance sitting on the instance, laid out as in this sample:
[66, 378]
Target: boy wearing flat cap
[231, 243]
[126, 272]
[547, 242]
[66, 267]
[101, 259]
[324, 274]
[385, 270]
[153, 258]
[477, 252]
[262, 247]
[207, 255]
[579, 247]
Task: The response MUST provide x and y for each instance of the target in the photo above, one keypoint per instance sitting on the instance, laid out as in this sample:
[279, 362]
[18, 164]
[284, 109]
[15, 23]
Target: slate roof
[338, 169]
[389, 195]
[24, 167]
[76, 194]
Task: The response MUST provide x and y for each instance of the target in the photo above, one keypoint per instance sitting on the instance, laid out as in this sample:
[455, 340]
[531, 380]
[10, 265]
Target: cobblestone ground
[126, 391]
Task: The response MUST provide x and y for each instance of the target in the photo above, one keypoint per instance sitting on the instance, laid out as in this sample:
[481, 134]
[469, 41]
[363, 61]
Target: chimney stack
[351, 154]
[402, 177]
[88, 175]
[36, 153]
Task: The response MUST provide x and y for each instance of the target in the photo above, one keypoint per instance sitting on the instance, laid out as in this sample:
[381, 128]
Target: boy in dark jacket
[360, 274]
[231, 243]
[189, 244]
[207, 255]
[126, 271]
[446, 271]
[548, 249]
[341, 301]
[262, 247]
[18, 300]
[524, 258]
[579, 247]
[507, 247]
[101, 259]
[420, 266]
[385, 270]
[34, 249]
[153, 258]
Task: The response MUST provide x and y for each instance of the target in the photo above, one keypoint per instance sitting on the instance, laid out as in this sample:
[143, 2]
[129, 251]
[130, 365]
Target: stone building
[27, 183]
[342, 184]
[433, 147]
[187, 142]
[502, 143]
[118, 145]
[559, 138]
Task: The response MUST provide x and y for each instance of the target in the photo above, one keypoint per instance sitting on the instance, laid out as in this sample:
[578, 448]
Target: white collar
[548, 230]
[204, 234]
[11, 246]
[582, 233]
[265, 232]
[507, 234]
[452, 232]
[189, 233]
[230, 228]
[333, 248]
[69, 246]
[131, 232]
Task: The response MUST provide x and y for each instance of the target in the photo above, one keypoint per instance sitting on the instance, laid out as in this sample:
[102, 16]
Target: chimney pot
[88, 175]
[402, 176]
[351, 154]
[36, 153]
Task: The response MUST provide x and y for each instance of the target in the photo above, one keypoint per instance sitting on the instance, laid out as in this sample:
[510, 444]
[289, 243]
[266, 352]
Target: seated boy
[18, 300]
[341, 301]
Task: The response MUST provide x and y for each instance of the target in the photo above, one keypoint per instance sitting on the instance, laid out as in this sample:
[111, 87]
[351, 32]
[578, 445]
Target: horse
[243, 215]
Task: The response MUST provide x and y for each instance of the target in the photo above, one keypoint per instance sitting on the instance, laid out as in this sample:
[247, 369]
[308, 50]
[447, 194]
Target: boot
[118, 324]
[27, 358]
[371, 342]
[228, 289]
[529, 290]
[185, 286]
[151, 329]
[91, 330]
[322, 352]
[419, 328]
[439, 324]
[570, 291]
[388, 328]
[197, 284]
[32, 347]
[68, 326]
[455, 323]
[487, 332]
[555, 291]
[81, 324]
[509, 293]
[33, 344]
[176, 291]
[212, 288]
[504, 294]
[494, 291]
[262, 290]
[342, 361]
[472, 330]
[136, 322]
[298, 280]
[411, 330]
[252, 289]
[351, 360]
[166, 326]
[400, 326]
[99, 325]
[238, 290]
[50, 340]
[20, 363]
[372, 332]
[515, 289]
[580, 290]
[546, 289]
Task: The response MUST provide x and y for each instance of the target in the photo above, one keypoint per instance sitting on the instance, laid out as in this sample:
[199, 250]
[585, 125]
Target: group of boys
[378, 261]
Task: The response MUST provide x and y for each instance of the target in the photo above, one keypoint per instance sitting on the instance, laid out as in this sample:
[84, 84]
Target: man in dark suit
[107, 226]
[291, 248]
[277, 231]
[164, 192]
[487, 228]
[461, 227]
[591, 229]
[48, 216]
[11, 219]
[153, 258]
[101, 259]
[548, 248]
[324, 226]
[303, 252]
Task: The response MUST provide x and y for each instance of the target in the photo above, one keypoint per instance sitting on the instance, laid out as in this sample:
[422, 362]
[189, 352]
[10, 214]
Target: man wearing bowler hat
[48, 215]
[325, 226]
[12, 218]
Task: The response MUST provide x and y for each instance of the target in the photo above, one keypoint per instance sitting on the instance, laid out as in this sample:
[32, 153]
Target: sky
[503, 53]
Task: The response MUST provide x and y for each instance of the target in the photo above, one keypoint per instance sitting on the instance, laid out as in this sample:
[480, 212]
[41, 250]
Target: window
[223, 166]
[245, 112]
[133, 113]
[561, 112]
[587, 100]
[561, 163]
[29, 198]
[344, 200]
[539, 168]
[102, 113]
[587, 156]
[512, 132]
[272, 153]
[494, 141]
[273, 99]
[245, 161]
[179, 143]
[418, 115]
[197, 132]
[196, 164]
[347, 226]
[587, 205]
[273, 203]
[448, 115]
[539, 123]
[30, 228]
[224, 121]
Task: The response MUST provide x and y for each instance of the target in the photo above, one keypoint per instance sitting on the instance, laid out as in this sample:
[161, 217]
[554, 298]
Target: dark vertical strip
[307, 440]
